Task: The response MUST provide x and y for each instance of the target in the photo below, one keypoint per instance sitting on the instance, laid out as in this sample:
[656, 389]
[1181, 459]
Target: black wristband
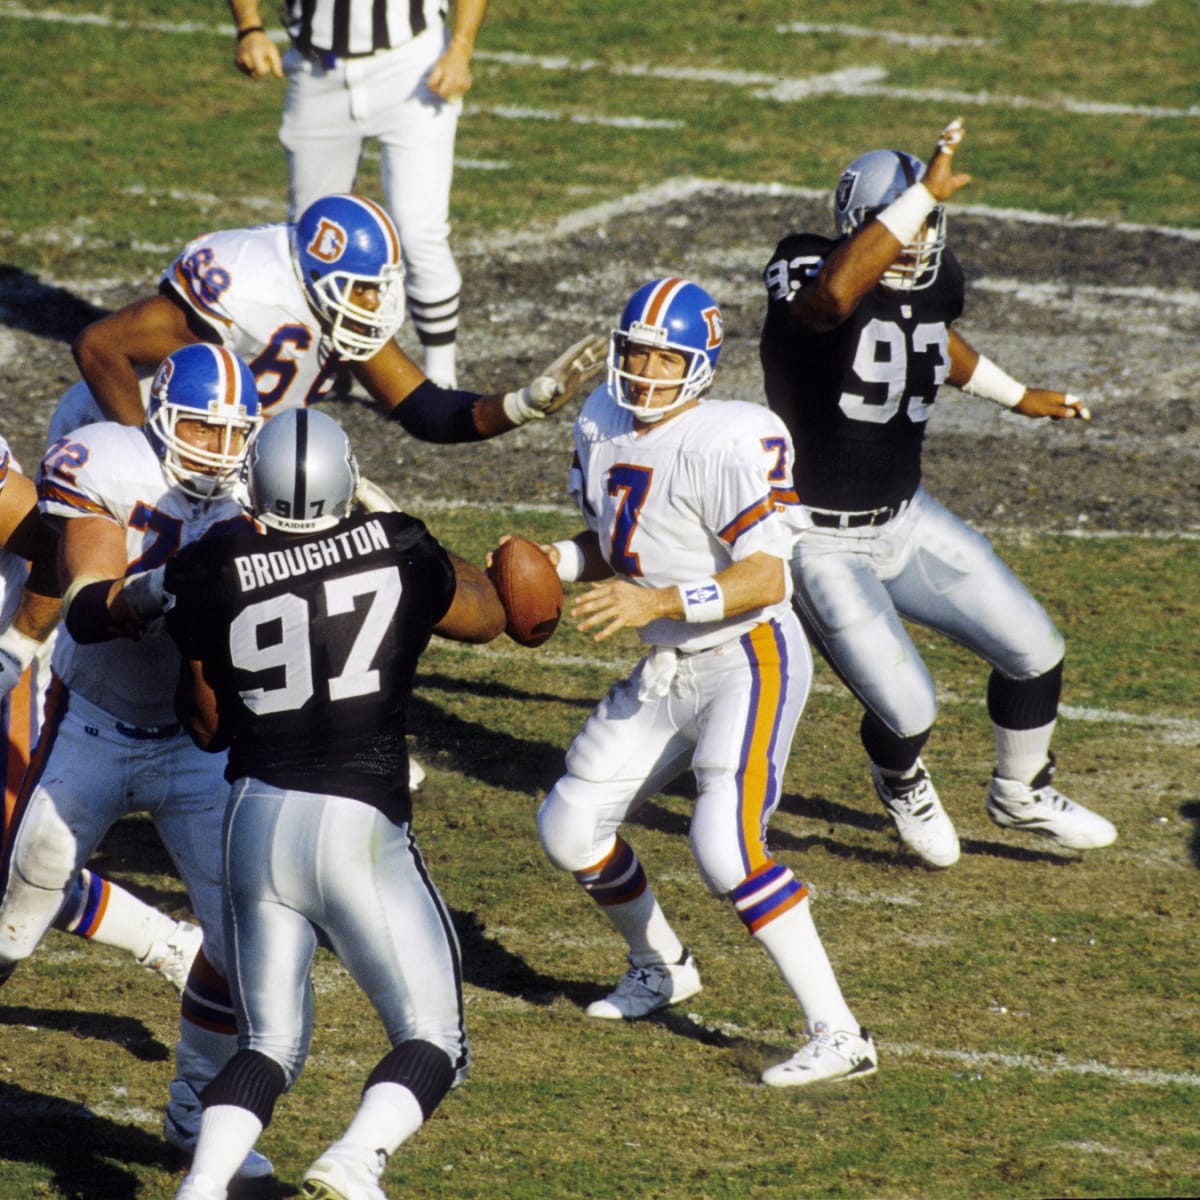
[438, 414]
[248, 30]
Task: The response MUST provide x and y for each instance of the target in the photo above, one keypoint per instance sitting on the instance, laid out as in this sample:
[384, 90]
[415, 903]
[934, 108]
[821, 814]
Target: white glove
[144, 593]
[561, 380]
[17, 651]
[371, 498]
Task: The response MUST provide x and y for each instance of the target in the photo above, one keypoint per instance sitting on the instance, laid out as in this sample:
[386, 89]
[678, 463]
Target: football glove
[17, 651]
[560, 381]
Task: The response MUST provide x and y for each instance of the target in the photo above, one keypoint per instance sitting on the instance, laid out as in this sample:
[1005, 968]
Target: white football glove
[145, 594]
[371, 498]
[561, 380]
[17, 651]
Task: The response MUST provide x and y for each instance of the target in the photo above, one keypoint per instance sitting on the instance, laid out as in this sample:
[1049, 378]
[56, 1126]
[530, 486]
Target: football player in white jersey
[30, 602]
[123, 499]
[301, 303]
[688, 541]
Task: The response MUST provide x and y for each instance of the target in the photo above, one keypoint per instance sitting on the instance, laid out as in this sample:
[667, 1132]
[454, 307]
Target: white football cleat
[826, 1058]
[919, 817]
[344, 1175]
[200, 1187]
[647, 989]
[172, 957]
[181, 1129]
[416, 774]
[1039, 807]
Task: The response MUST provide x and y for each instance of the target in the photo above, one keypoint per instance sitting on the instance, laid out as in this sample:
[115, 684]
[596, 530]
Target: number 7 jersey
[679, 501]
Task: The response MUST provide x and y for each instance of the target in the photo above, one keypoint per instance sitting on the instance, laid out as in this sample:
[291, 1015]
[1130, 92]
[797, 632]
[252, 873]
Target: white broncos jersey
[682, 500]
[242, 283]
[109, 470]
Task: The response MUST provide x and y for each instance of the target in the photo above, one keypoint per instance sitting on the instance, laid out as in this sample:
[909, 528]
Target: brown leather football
[529, 589]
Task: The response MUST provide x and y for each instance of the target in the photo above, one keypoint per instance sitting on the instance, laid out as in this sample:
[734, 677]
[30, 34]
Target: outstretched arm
[977, 375]
[436, 414]
[857, 264]
[475, 614]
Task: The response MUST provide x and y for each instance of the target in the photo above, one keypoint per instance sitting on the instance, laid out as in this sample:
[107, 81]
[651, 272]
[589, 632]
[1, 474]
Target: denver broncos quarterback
[301, 303]
[688, 540]
[123, 500]
[315, 726]
[856, 341]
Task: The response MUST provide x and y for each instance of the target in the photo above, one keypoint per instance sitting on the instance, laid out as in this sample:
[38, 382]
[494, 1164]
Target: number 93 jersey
[857, 397]
[679, 501]
[310, 642]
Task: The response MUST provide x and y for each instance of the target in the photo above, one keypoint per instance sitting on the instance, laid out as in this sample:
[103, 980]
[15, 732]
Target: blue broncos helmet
[207, 384]
[670, 314]
[346, 252]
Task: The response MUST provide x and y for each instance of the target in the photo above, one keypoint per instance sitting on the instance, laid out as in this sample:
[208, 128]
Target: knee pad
[44, 856]
[568, 826]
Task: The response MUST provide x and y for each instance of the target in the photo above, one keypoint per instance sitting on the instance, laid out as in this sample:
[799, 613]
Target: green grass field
[1036, 1011]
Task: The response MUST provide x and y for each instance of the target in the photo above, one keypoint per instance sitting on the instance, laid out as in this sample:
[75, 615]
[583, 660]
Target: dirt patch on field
[1112, 315]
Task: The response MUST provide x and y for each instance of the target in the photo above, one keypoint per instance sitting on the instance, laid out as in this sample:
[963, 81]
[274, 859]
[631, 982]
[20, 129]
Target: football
[529, 589]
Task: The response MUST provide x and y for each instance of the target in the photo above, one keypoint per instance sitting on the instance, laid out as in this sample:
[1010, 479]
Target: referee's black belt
[828, 519]
[327, 58]
[148, 733]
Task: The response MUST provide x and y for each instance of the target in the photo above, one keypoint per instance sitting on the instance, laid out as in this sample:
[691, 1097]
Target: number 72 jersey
[856, 398]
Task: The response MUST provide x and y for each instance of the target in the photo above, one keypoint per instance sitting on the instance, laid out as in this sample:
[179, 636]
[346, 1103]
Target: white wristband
[570, 561]
[20, 647]
[905, 216]
[702, 601]
[992, 383]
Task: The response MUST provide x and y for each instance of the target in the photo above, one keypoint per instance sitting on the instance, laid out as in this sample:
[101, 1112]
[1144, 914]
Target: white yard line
[867, 80]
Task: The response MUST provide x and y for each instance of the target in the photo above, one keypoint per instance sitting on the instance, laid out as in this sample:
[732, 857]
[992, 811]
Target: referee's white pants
[329, 112]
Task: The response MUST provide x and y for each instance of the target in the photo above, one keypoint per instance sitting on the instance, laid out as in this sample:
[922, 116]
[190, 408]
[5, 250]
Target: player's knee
[44, 857]
[568, 826]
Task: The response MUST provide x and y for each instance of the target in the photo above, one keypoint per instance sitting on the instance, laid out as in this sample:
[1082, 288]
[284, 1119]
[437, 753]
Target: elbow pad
[438, 414]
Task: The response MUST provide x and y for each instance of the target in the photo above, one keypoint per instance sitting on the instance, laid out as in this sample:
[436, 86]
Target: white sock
[440, 364]
[644, 927]
[1022, 753]
[795, 946]
[128, 923]
[227, 1134]
[388, 1115]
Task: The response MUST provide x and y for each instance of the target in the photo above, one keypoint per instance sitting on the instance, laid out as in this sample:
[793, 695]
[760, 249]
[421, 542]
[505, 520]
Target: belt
[148, 733]
[827, 519]
[327, 58]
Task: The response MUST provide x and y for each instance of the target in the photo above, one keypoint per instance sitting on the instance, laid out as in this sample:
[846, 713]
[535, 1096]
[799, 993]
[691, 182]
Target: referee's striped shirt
[348, 28]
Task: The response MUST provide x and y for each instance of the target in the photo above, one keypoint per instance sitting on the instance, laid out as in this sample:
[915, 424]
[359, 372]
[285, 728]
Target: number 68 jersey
[679, 501]
[111, 471]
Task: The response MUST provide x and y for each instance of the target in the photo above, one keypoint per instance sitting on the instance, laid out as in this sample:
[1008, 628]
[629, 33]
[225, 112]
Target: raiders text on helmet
[301, 473]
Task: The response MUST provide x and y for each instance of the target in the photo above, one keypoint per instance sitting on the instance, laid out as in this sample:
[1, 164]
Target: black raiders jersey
[856, 398]
[311, 643]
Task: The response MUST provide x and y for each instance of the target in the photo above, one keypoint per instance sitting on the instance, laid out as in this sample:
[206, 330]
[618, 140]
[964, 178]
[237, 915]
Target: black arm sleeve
[438, 414]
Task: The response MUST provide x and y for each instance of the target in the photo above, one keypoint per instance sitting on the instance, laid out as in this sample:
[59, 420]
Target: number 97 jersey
[857, 397]
[311, 643]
